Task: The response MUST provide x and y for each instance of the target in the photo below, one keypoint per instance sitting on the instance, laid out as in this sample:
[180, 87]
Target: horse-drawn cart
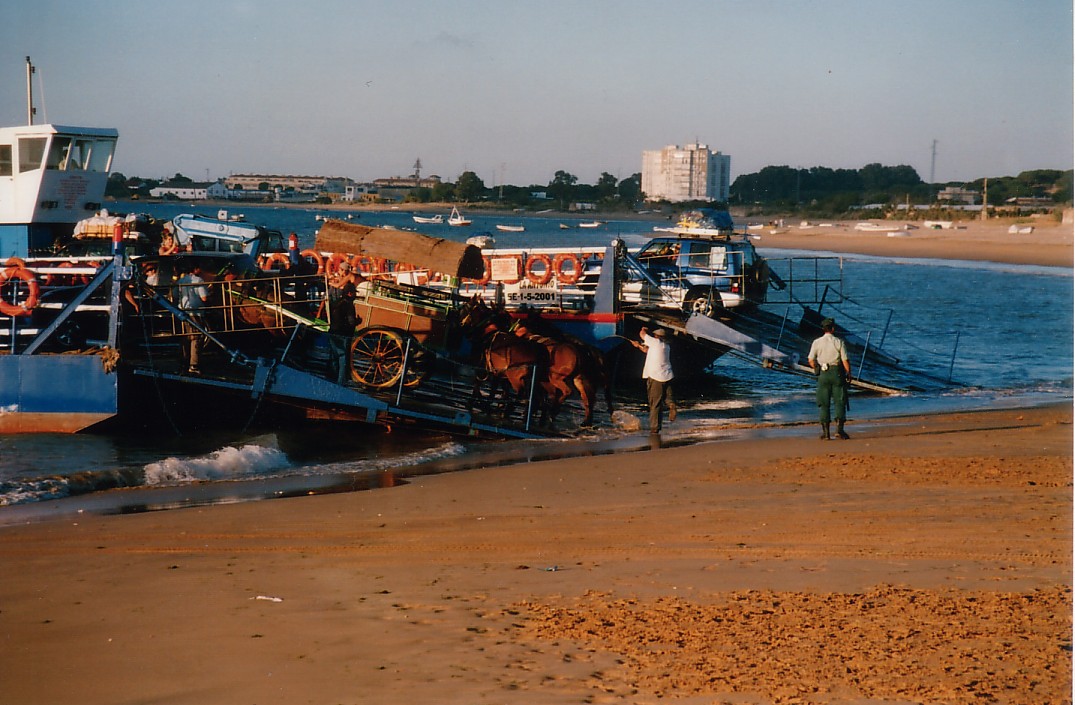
[400, 330]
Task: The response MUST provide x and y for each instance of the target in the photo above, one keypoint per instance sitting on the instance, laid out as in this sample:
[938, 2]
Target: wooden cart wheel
[377, 358]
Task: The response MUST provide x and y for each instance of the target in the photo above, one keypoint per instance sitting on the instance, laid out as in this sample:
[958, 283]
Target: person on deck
[193, 295]
[293, 249]
[657, 372]
[828, 360]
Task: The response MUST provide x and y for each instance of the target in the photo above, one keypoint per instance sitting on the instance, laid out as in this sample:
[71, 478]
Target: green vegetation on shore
[874, 189]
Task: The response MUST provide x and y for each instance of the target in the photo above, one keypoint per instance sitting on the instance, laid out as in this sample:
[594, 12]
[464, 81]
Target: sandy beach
[1048, 243]
[927, 560]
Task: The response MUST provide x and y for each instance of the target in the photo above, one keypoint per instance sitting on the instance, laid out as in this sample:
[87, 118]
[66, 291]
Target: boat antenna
[29, 92]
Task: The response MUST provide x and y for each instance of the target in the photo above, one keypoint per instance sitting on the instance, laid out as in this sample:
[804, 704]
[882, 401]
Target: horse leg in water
[588, 391]
[557, 391]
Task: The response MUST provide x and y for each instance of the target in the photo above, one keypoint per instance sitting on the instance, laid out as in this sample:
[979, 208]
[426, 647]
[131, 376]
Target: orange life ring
[542, 278]
[26, 306]
[332, 264]
[558, 263]
[316, 257]
[487, 272]
[56, 279]
[274, 258]
[87, 278]
[15, 262]
[366, 265]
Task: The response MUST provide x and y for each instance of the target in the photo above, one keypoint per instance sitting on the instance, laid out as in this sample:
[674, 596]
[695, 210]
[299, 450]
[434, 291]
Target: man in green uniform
[828, 360]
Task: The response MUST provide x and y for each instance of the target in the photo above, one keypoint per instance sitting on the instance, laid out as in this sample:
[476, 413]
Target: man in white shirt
[658, 375]
[193, 295]
[828, 354]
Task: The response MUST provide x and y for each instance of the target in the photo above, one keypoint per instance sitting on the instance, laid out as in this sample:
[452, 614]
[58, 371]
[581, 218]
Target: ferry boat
[51, 177]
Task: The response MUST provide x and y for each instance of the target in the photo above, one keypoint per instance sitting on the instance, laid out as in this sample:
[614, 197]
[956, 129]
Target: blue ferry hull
[55, 393]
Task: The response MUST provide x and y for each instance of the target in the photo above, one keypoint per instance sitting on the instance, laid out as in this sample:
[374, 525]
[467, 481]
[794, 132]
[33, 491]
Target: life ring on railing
[332, 264]
[487, 272]
[316, 257]
[365, 265]
[539, 278]
[275, 258]
[13, 262]
[57, 279]
[558, 263]
[22, 274]
[87, 278]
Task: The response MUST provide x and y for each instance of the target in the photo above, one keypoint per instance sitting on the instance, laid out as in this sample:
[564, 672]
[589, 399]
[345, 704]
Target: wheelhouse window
[80, 154]
[6, 165]
[31, 152]
[100, 156]
[59, 153]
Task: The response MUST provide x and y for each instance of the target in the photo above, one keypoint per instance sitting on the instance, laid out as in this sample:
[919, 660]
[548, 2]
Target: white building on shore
[688, 173]
[191, 191]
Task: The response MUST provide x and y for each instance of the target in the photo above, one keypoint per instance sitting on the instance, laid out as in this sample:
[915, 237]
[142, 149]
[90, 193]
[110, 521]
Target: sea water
[1004, 332]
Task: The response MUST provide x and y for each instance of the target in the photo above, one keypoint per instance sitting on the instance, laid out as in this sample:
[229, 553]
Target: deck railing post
[403, 372]
[884, 333]
[530, 401]
[865, 352]
[783, 323]
[952, 362]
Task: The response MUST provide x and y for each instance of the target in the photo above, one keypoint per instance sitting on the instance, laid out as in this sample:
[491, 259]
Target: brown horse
[519, 364]
[573, 366]
[569, 366]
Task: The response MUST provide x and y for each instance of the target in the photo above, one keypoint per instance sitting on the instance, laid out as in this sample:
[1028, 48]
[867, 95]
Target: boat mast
[29, 92]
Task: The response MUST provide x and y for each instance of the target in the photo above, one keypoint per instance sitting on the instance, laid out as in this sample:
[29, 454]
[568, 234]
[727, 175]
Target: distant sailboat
[457, 219]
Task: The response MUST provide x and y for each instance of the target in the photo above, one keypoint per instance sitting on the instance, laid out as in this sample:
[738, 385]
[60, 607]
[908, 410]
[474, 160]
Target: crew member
[658, 375]
[828, 360]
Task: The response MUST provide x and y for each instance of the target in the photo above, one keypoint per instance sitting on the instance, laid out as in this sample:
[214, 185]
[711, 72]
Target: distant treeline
[817, 190]
[840, 190]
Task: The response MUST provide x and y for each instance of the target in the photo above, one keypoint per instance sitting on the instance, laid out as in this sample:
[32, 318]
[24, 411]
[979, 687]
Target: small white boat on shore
[429, 220]
[511, 228]
[867, 227]
[457, 219]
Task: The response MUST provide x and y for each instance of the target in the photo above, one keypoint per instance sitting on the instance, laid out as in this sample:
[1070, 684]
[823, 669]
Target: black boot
[824, 432]
[840, 433]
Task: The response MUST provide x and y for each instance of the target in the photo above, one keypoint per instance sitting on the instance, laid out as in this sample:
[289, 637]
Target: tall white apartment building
[689, 173]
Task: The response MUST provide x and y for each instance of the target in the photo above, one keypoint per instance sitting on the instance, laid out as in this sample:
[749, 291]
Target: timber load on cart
[419, 252]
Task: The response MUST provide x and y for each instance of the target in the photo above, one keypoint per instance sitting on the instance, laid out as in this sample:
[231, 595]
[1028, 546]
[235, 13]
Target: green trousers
[832, 392]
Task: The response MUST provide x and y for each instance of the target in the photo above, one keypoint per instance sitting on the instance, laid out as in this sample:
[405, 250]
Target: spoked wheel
[377, 356]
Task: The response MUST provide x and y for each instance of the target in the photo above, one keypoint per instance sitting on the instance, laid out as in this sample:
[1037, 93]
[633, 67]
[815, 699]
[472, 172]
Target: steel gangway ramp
[782, 342]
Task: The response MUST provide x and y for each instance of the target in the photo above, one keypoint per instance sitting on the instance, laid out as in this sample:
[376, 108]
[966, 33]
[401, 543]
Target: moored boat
[429, 220]
[457, 219]
[511, 228]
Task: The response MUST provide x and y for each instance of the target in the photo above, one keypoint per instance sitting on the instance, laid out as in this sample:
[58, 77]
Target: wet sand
[928, 559]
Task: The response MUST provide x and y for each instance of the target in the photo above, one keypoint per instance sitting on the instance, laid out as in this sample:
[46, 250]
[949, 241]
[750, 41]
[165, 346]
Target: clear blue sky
[515, 91]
